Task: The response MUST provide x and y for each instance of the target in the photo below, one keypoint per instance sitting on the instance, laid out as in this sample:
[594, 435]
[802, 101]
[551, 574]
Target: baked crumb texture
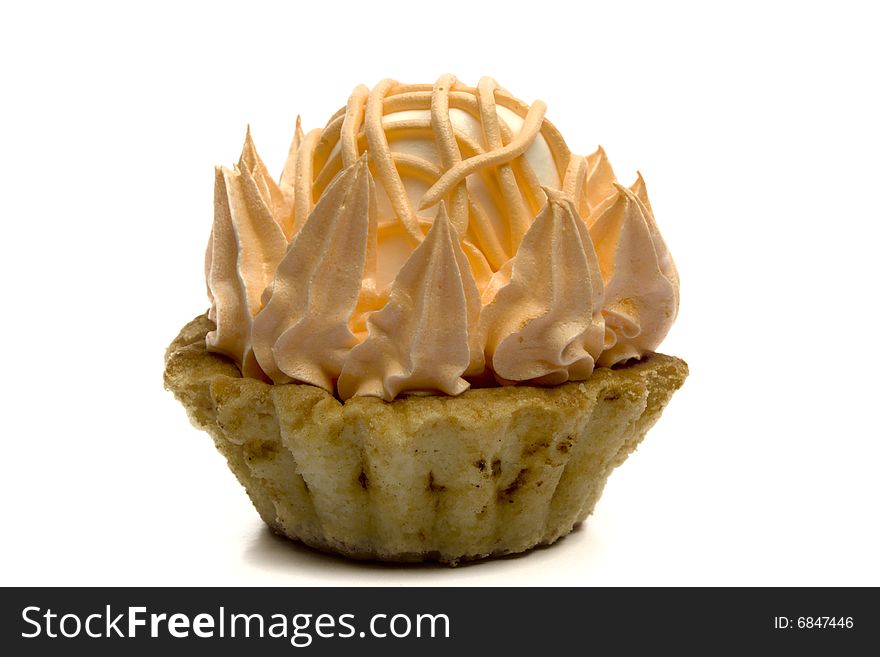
[491, 472]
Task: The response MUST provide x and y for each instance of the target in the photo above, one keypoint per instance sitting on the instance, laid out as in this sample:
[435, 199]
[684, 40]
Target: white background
[755, 127]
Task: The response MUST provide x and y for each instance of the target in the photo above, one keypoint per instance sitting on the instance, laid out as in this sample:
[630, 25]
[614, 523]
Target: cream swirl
[641, 281]
[545, 324]
[430, 237]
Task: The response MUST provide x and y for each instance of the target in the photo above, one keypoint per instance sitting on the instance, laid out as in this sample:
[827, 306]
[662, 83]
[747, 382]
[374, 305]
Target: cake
[433, 338]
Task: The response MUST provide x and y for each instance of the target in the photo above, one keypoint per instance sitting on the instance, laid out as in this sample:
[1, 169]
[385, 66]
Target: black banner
[436, 621]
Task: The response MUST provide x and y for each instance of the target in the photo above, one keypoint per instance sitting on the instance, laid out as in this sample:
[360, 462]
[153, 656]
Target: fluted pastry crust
[490, 472]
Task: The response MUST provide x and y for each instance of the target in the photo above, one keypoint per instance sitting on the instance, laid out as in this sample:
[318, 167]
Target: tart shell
[493, 471]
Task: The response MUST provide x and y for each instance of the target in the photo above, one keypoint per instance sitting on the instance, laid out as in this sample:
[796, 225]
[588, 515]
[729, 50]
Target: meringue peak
[303, 332]
[419, 339]
[279, 204]
[246, 246]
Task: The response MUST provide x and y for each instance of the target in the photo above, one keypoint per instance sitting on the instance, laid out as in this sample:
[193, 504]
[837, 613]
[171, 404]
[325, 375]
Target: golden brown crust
[492, 471]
